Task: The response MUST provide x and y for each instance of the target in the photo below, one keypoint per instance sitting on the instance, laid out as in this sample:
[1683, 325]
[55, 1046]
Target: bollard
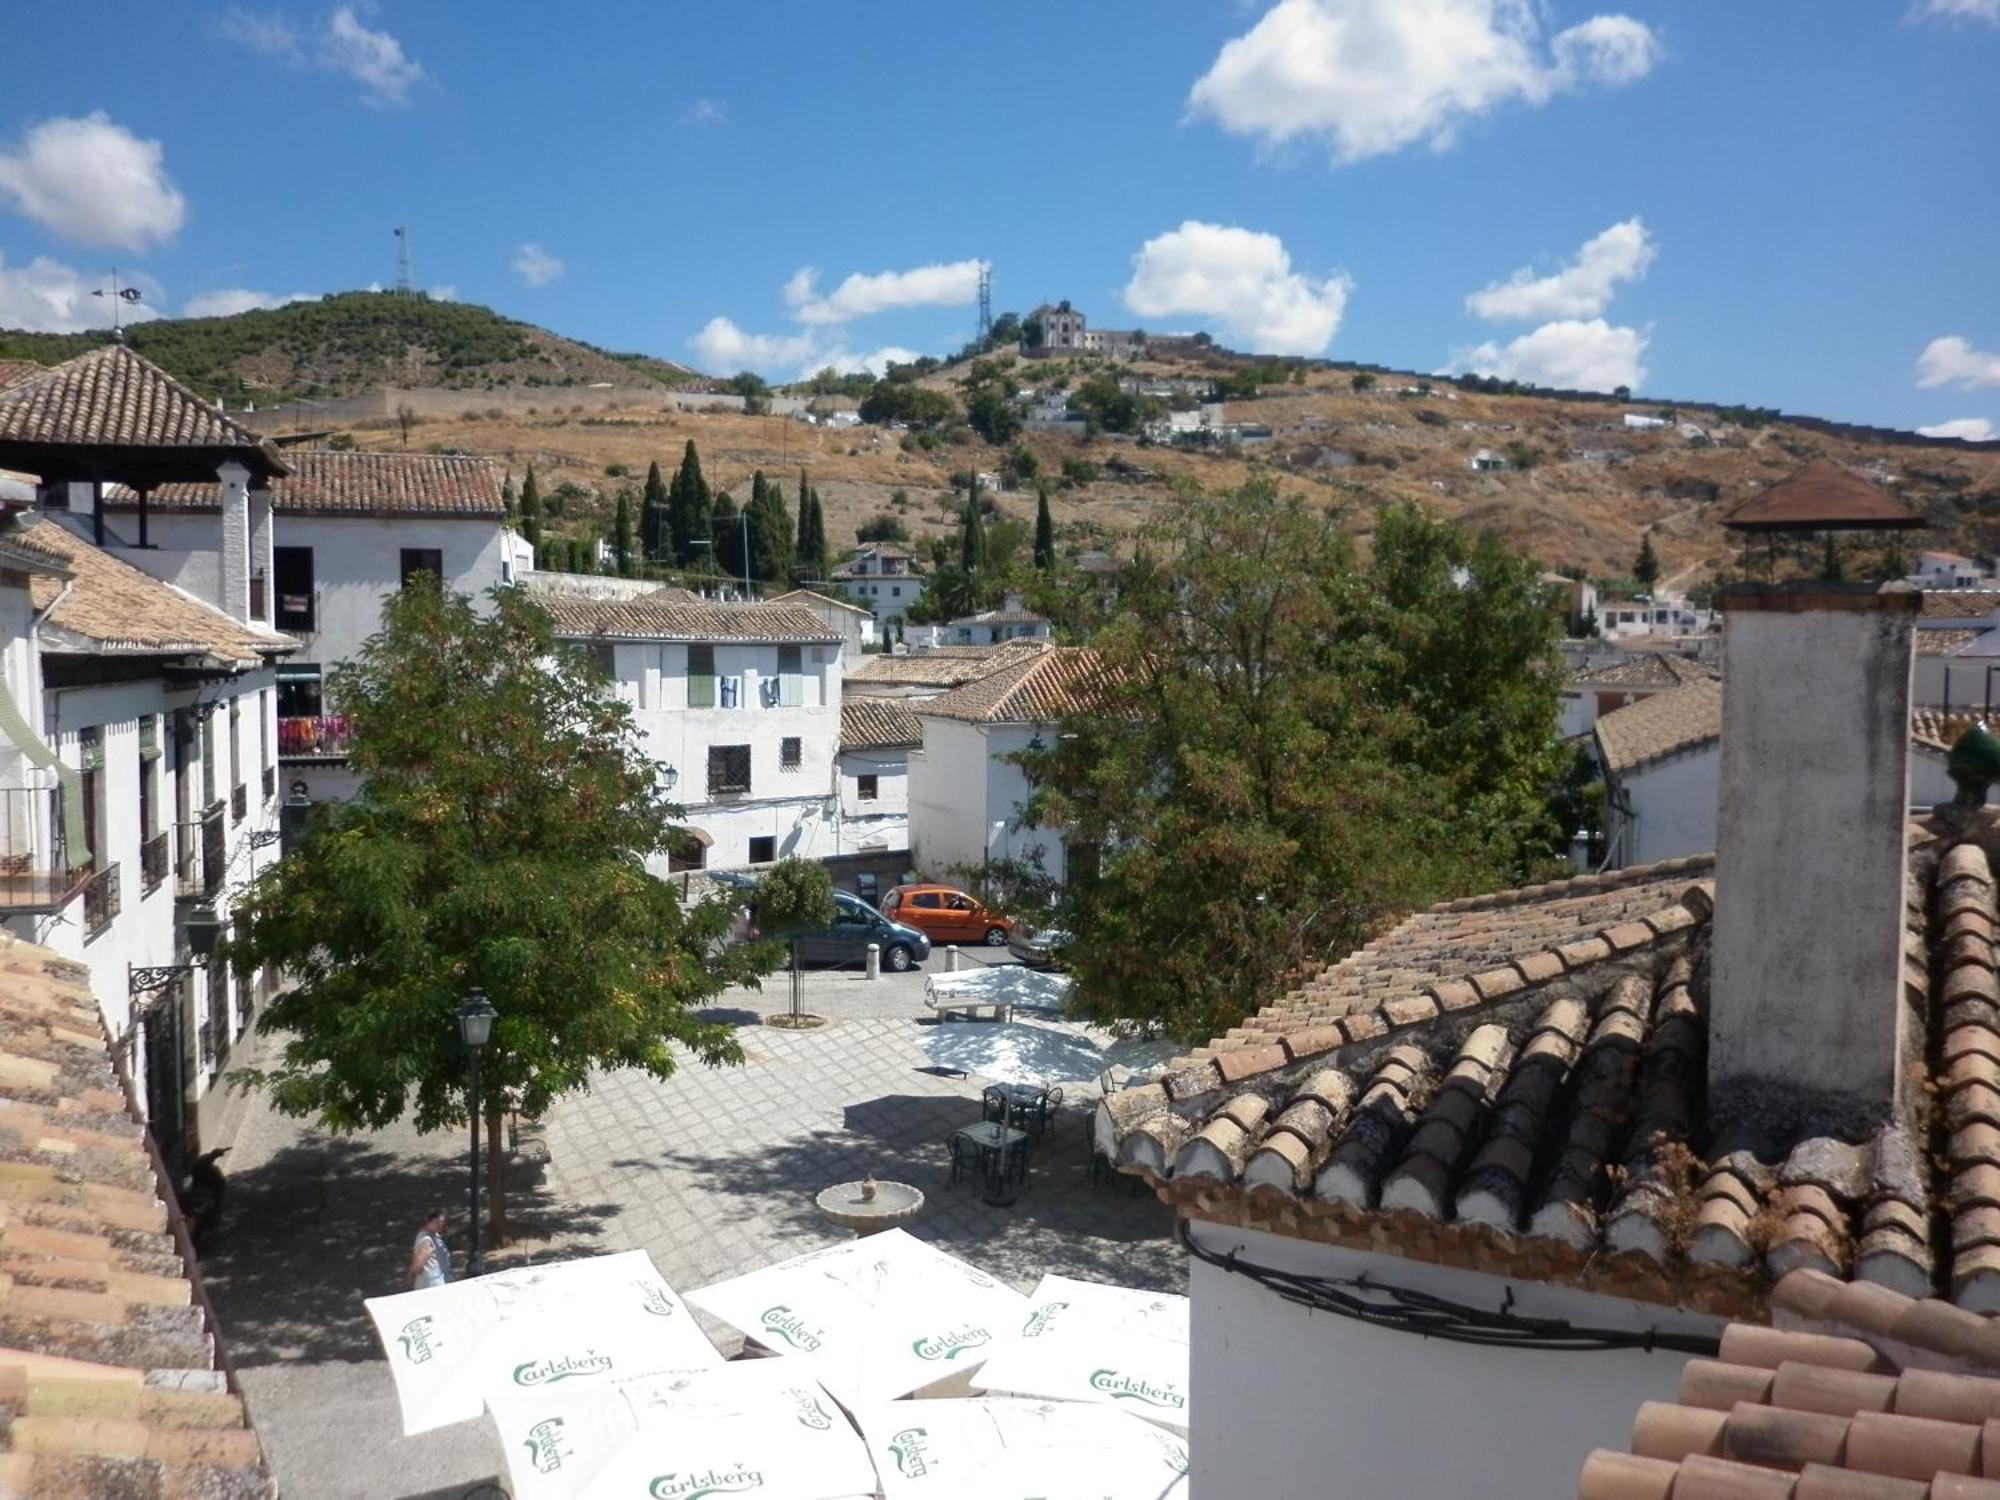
[874, 960]
[951, 959]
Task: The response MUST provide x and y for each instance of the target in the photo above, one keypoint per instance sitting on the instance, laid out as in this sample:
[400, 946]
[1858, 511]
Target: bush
[1079, 471]
[883, 528]
[617, 471]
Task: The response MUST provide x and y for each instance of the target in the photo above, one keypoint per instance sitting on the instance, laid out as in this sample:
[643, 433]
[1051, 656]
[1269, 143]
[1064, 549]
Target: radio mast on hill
[985, 302]
[404, 287]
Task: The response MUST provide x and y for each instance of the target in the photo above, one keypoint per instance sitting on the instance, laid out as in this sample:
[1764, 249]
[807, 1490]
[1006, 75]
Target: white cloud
[723, 348]
[444, 291]
[228, 301]
[1581, 289]
[1972, 429]
[342, 44]
[92, 182]
[1953, 361]
[706, 112]
[939, 285]
[842, 362]
[1961, 10]
[46, 296]
[1242, 279]
[1375, 76]
[536, 266]
[1568, 354]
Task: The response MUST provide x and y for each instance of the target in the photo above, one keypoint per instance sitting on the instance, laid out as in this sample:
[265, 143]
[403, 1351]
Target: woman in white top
[430, 1257]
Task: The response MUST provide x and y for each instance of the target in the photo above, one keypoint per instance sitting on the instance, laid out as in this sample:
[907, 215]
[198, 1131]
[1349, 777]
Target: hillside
[353, 342]
[1580, 490]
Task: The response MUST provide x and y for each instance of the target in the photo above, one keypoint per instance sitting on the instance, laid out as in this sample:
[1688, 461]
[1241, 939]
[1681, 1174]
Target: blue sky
[1790, 203]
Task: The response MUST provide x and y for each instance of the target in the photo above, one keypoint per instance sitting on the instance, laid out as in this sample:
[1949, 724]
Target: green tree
[1361, 380]
[812, 534]
[531, 510]
[882, 528]
[770, 530]
[992, 413]
[1045, 533]
[731, 536]
[688, 507]
[972, 534]
[1646, 566]
[621, 534]
[498, 841]
[507, 499]
[1280, 747]
[793, 894]
[655, 537]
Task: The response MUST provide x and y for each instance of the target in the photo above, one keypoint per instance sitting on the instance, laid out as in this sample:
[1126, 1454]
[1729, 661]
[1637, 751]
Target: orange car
[946, 915]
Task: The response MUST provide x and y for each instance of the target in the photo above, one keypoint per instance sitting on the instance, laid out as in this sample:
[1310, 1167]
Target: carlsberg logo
[544, 1445]
[907, 1448]
[549, 1371]
[810, 1413]
[792, 1328]
[415, 1338]
[1132, 1388]
[951, 1345]
[1044, 1318]
[654, 1300]
[712, 1482]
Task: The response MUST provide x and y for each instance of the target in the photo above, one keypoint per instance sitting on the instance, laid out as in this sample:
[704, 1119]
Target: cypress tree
[770, 531]
[972, 537]
[729, 537]
[688, 507]
[621, 534]
[653, 539]
[1646, 566]
[507, 496]
[815, 549]
[1045, 533]
[531, 511]
[802, 549]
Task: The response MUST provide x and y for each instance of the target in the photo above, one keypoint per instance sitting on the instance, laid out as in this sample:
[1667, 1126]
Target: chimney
[233, 571]
[1807, 1022]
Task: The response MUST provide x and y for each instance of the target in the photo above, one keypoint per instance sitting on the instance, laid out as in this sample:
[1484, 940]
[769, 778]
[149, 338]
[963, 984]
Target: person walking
[430, 1257]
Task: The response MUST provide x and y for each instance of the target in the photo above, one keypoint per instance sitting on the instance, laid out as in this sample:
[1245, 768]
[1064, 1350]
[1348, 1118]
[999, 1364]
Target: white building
[856, 624]
[966, 794]
[879, 577]
[1948, 570]
[1608, 680]
[351, 529]
[1664, 615]
[877, 736]
[1013, 621]
[739, 704]
[1062, 327]
[1958, 649]
[1522, 1153]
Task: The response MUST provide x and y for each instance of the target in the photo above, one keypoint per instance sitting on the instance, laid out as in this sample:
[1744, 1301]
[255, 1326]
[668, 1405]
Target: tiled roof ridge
[878, 723]
[652, 617]
[1580, 885]
[83, 388]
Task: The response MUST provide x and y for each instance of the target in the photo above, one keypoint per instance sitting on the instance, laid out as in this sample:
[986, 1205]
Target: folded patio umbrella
[993, 1448]
[756, 1426]
[586, 1321]
[1086, 1341]
[873, 1319]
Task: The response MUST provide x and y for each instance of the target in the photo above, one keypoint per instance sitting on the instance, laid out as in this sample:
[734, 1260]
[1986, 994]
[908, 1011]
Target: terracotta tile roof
[1644, 669]
[1822, 496]
[109, 1373]
[1518, 1086]
[670, 619]
[1945, 642]
[14, 371]
[1860, 1393]
[1959, 604]
[878, 724]
[115, 608]
[1037, 689]
[326, 481]
[1659, 726]
[943, 667]
[113, 398]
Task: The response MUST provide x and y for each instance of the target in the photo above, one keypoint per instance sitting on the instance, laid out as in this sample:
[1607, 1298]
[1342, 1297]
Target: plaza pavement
[712, 1171]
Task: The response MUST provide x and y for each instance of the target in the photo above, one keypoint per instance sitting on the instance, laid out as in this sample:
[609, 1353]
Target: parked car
[855, 925]
[1038, 947]
[947, 915]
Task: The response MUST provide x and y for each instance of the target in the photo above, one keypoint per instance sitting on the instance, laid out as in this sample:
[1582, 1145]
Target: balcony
[313, 737]
[153, 860]
[201, 854]
[34, 875]
[100, 900]
[239, 803]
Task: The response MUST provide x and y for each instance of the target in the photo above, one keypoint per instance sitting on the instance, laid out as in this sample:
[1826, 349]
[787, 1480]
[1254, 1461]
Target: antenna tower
[404, 288]
[985, 302]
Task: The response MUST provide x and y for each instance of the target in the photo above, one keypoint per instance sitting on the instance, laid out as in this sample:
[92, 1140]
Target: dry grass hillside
[1580, 490]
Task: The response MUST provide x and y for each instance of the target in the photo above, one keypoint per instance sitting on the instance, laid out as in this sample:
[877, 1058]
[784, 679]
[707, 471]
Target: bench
[993, 991]
[968, 1007]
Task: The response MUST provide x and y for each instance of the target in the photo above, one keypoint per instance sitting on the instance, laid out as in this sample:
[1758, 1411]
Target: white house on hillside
[1607, 681]
[740, 706]
[966, 794]
[1948, 570]
[992, 627]
[851, 620]
[879, 577]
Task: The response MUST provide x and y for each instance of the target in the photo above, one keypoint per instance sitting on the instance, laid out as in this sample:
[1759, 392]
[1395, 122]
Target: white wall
[889, 812]
[951, 823]
[1291, 1404]
[890, 598]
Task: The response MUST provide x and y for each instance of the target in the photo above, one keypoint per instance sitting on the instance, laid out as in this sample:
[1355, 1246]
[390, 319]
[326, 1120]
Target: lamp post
[475, 1029]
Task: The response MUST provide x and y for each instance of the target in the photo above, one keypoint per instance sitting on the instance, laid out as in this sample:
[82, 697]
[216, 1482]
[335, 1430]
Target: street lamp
[475, 1029]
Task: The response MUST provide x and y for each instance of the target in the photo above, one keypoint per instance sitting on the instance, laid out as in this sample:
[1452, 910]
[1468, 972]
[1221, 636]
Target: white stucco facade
[1292, 1404]
[966, 797]
[880, 820]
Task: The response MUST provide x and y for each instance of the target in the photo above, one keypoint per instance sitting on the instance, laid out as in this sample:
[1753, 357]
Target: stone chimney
[233, 570]
[1808, 1027]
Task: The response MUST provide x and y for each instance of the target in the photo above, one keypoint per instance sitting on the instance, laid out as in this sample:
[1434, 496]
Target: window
[927, 900]
[701, 677]
[865, 788]
[604, 656]
[728, 769]
[263, 734]
[236, 741]
[897, 591]
[687, 854]
[90, 759]
[791, 677]
[789, 753]
[208, 759]
[149, 755]
[293, 568]
[422, 560]
[763, 851]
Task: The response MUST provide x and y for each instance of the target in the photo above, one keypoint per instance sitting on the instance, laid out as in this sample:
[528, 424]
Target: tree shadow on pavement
[327, 1221]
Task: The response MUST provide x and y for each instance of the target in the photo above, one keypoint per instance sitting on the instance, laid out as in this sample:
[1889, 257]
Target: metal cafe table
[1026, 1106]
[998, 1152]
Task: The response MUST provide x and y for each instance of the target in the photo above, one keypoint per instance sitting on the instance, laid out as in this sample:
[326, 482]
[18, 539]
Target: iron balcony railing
[153, 860]
[201, 854]
[34, 874]
[313, 737]
[100, 900]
